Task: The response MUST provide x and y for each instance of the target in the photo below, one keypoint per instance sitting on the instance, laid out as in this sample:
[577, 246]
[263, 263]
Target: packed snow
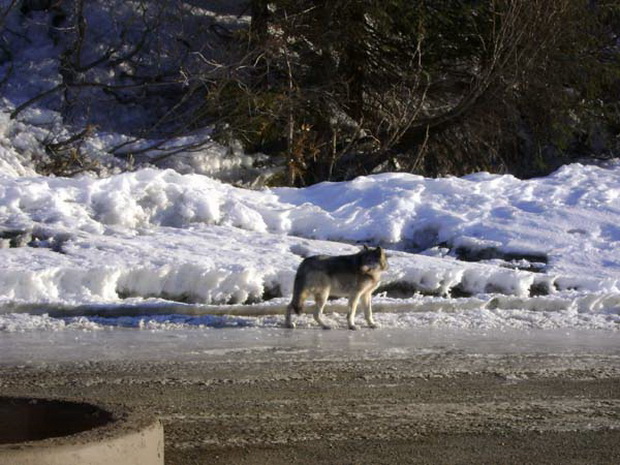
[151, 237]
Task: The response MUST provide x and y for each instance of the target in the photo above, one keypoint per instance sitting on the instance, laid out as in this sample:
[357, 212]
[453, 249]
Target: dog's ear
[383, 258]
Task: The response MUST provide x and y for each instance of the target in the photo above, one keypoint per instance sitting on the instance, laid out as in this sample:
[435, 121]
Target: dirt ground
[274, 407]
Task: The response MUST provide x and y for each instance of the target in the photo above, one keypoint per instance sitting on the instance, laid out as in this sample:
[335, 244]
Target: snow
[177, 245]
[158, 235]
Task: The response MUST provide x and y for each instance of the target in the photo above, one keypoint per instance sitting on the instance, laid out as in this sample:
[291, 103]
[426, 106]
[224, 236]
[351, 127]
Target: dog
[354, 276]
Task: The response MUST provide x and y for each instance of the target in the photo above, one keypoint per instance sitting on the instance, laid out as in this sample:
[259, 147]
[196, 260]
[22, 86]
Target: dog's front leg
[353, 302]
[367, 301]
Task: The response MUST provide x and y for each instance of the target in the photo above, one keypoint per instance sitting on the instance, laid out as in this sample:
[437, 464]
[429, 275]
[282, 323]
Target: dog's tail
[296, 307]
[297, 302]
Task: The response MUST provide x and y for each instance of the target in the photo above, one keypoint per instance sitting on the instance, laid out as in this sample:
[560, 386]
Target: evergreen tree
[437, 87]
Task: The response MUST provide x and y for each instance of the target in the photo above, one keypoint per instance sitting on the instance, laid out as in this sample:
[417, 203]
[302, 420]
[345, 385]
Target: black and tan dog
[354, 276]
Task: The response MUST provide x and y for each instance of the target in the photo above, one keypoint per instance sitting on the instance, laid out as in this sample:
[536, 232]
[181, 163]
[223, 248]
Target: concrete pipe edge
[109, 435]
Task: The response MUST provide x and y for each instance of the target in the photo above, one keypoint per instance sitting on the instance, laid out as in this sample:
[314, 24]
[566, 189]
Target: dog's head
[373, 259]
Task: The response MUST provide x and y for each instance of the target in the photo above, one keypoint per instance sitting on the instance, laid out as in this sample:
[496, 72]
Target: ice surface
[231, 344]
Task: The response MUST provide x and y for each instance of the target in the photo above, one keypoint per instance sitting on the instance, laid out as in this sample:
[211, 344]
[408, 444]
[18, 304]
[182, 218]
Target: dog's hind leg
[288, 320]
[320, 299]
[296, 305]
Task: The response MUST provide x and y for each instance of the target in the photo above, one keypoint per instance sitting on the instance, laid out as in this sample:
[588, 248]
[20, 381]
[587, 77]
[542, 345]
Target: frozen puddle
[163, 331]
[267, 344]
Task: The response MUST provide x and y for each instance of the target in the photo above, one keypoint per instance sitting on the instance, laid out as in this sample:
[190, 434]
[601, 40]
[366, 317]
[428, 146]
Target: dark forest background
[329, 90]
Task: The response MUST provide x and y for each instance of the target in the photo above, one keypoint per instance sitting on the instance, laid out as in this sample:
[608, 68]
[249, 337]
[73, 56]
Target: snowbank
[158, 233]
